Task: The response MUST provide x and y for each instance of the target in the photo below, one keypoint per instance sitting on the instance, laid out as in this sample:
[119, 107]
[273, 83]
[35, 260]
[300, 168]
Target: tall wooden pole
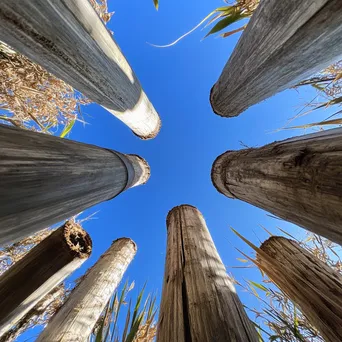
[24, 284]
[43, 308]
[69, 39]
[308, 282]
[298, 180]
[45, 179]
[199, 302]
[284, 43]
[77, 317]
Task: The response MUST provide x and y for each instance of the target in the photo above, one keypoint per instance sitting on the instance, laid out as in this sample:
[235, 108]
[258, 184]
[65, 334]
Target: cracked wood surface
[298, 180]
[283, 43]
[46, 179]
[68, 38]
[199, 302]
[76, 319]
[25, 283]
[308, 282]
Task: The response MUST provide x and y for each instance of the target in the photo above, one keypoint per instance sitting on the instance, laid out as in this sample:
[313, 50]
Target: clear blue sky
[177, 81]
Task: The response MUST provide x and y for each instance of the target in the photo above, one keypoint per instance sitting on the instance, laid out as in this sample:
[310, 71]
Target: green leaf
[156, 4]
[230, 19]
[137, 305]
[259, 286]
[99, 333]
[67, 128]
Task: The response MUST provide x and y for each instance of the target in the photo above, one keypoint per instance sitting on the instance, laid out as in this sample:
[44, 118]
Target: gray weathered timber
[45, 179]
[69, 39]
[199, 302]
[24, 284]
[284, 43]
[77, 317]
[309, 283]
[298, 180]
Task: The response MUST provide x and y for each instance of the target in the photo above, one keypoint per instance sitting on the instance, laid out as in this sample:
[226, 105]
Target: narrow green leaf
[156, 4]
[67, 128]
[259, 286]
[230, 19]
[128, 317]
[99, 333]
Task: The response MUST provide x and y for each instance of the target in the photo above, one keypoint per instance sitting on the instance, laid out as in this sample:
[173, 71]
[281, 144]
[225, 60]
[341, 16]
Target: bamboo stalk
[308, 282]
[69, 39]
[199, 302]
[284, 43]
[45, 179]
[24, 284]
[79, 314]
[298, 180]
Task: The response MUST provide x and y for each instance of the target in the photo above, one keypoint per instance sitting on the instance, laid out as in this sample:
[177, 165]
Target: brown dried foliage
[31, 97]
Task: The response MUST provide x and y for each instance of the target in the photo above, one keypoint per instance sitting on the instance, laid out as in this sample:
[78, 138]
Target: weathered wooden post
[77, 317]
[43, 307]
[24, 284]
[298, 180]
[284, 43]
[45, 179]
[199, 302]
[69, 39]
[308, 282]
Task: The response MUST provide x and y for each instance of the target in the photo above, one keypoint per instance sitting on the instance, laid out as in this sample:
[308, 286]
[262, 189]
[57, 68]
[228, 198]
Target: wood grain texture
[79, 314]
[69, 39]
[24, 284]
[199, 302]
[298, 180]
[34, 315]
[284, 43]
[309, 283]
[45, 179]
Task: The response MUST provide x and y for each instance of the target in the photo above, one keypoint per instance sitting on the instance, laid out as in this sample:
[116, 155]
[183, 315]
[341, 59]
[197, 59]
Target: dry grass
[31, 97]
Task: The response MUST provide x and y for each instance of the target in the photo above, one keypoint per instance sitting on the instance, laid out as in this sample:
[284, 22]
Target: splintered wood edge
[77, 239]
[153, 134]
[127, 240]
[266, 248]
[176, 208]
[141, 169]
[218, 172]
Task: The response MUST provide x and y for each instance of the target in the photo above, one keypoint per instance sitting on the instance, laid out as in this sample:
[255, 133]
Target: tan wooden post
[45, 179]
[307, 281]
[284, 43]
[77, 317]
[69, 39]
[199, 302]
[298, 180]
[24, 284]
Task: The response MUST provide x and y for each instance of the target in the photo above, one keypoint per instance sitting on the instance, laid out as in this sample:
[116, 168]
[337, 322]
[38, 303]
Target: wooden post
[284, 43]
[77, 317]
[69, 39]
[24, 284]
[45, 179]
[308, 282]
[45, 307]
[298, 180]
[199, 302]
